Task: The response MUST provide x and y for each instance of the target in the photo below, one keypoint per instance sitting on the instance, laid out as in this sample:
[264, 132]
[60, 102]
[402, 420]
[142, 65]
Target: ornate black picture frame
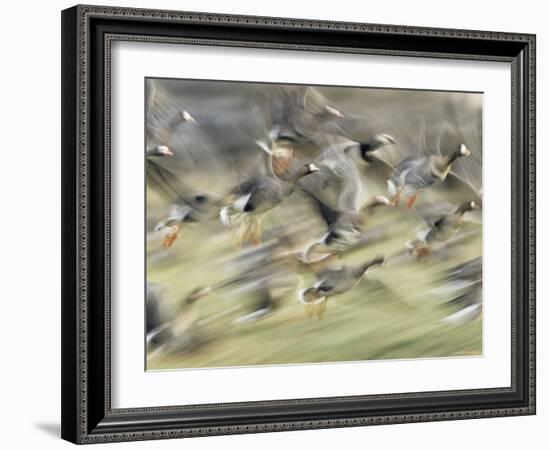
[87, 35]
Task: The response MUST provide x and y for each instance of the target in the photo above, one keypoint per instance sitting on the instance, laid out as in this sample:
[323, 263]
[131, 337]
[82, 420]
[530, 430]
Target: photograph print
[300, 224]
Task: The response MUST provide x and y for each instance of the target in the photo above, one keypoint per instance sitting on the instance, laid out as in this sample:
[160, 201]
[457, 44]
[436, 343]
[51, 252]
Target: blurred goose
[377, 142]
[186, 206]
[338, 184]
[189, 209]
[299, 113]
[462, 288]
[266, 274]
[414, 174]
[441, 230]
[156, 327]
[163, 115]
[159, 178]
[449, 224]
[179, 333]
[345, 228]
[158, 150]
[295, 116]
[332, 282]
[258, 195]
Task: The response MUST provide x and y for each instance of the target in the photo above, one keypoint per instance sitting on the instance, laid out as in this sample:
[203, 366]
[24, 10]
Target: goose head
[378, 141]
[463, 151]
[160, 150]
[311, 168]
[197, 294]
[467, 207]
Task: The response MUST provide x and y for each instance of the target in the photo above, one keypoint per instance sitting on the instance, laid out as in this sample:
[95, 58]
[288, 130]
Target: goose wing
[337, 185]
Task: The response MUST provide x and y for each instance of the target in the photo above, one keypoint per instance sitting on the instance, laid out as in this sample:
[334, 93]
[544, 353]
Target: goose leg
[321, 308]
[309, 310]
[242, 232]
[256, 231]
[411, 201]
[397, 197]
[171, 237]
[422, 252]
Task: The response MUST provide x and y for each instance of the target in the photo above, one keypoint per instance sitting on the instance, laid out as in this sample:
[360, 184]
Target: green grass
[366, 323]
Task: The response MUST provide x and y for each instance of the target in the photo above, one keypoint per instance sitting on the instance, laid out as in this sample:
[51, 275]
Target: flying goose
[344, 228]
[186, 205]
[332, 282]
[178, 333]
[442, 229]
[463, 290]
[414, 174]
[249, 200]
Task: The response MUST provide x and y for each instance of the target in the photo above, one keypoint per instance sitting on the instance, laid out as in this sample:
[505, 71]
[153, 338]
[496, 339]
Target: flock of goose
[340, 169]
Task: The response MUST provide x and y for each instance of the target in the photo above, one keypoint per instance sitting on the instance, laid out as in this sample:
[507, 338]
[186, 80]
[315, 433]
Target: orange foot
[320, 310]
[422, 252]
[411, 201]
[255, 233]
[170, 238]
[394, 201]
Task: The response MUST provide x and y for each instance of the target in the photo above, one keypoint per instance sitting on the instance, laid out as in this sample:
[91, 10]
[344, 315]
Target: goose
[159, 150]
[162, 129]
[155, 322]
[463, 290]
[266, 274]
[299, 113]
[441, 230]
[414, 174]
[186, 206]
[449, 224]
[332, 281]
[377, 142]
[192, 208]
[158, 178]
[295, 117]
[344, 228]
[179, 333]
[338, 184]
[253, 198]
[164, 116]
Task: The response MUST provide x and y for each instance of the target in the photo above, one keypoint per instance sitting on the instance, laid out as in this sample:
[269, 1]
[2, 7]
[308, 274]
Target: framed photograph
[280, 224]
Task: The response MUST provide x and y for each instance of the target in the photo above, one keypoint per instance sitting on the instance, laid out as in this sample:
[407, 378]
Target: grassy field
[400, 319]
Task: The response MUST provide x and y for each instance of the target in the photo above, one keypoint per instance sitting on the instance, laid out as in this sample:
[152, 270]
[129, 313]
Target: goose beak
[464, 151]
[187, 117]
[164, 150]
[334, 112]
[312, 168]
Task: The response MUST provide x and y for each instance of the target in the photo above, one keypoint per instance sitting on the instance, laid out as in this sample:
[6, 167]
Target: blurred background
[216, 298]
